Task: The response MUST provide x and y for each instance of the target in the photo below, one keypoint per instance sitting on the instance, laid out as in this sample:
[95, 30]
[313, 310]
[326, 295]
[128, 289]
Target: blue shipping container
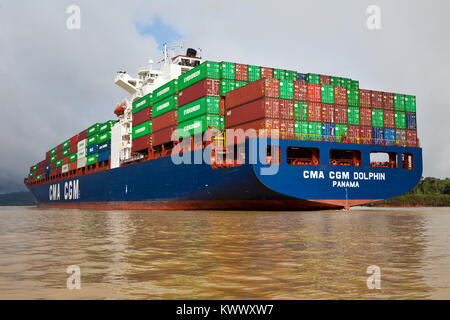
[389, 137]
[104, 146]
[301, 77]
[411, 123]
[328, 132]
[378, 136]
[92, 149]
[103, 156]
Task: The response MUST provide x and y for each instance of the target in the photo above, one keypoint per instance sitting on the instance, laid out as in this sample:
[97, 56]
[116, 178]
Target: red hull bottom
[246, 205]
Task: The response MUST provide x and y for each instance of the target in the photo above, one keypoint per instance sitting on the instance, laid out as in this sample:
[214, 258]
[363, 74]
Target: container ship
[200, 135]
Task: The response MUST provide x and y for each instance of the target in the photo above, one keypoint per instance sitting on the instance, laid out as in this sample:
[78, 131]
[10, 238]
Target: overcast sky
[55, 82]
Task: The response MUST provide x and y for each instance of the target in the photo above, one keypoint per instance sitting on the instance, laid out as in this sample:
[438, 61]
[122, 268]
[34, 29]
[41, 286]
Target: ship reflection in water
[225, 255]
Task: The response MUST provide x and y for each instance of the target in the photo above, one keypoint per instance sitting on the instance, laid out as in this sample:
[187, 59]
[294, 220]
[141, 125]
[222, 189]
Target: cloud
[55, 82]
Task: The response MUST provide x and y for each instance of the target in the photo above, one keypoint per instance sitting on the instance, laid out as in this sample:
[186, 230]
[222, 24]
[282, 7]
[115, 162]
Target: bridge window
[298, 156]
[383, 160]
[407, 161]
[349, 158]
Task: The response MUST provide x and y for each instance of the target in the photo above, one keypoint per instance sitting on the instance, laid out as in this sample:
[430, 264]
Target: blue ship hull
[161, 184]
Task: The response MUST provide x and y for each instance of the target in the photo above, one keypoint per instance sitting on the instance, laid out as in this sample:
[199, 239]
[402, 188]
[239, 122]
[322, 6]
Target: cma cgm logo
[71, 191]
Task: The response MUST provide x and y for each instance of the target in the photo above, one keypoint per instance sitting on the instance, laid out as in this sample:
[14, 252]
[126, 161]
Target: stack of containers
[165, 113]
[73, 153]
[91, 144]
[232, 76]
[142, 124]
[411, 121]
[104, 141]
[81, 149]
[65, 156]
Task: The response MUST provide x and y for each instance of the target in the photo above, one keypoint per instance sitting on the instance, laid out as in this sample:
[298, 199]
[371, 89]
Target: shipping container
[143, 129]
[65, 160]
[58, 163]
[226, 86]
[340, 114]
[206, 87]
[287, 129]
[327, 94]
[261, 128]
[93, 130]
[365, 135]
[166, 105]
[300, 91]
[365, 115]
[65, 152]
[290, 75]
[241, 72]
[315, 131]
[253, 91]
[411, 138]
[389, 119]
[238, 84]
[378, 136]
[314, 112]
[301, 110]
[411, 123]
[142, 103]
[53, 152]
[328, 132]
[353, 116]
[81, 144]
[301, 130]
[287, 110]
[142, 116]
[365, 98]
[286, 89]
[400, 137]
[266, 73]
[341, 132]
[314, 92]
[346, 82]
[207, 69]
[82, 135]
[205, 105]
[377, 100]
[73, 148]
[92, 159]
[399, 102]
[279, 74]
[73, 166]
[335, 81]
[377, 118]
[353, 97]
[142, 143]
[301, 77]
[92, 149]
[227, 70]
[354, 84]
[165, 91]
[72, 157]
[340, 96]
[74, 140]
[400, 120]
[164, 136]
[325, 79]
[103, 137]
[66, 144]
[410, 104]
[353, 134]
[389, 137]
[81, 153]
[81, 163]
[254, 73]
[327, 113]
[258, 109]
[103, 156]
[91, 140]
[105, 146]
[388, 101]
[313, 78]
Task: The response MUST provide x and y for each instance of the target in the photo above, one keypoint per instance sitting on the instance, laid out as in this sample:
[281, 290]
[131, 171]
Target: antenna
[172, 49]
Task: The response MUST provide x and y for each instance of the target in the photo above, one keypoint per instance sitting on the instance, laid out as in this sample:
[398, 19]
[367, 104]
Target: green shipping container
[335, 81]
[301, 129]
[38, 177]
[315, 131]
[313, 78]
[35, 167]
[66, 144]
[353, 97]
[227, 70]
[346, 82]
[106, 127]
[286, 89]
[200, 125]
[93, 130]
[166, 90]
[103, 137]
[340, 130]
[239, 84]
[91, 140]
[279, 74]
[92, 159]
[166, 105]
[73, 157]
[327, 94]
[58, 163]
[410, 104]
[142, 103]
[52, 158]
[226, 86]
[31, 175]
[65, 153]
[377, 118]
[354, 84]
[208, 69]
[301, 110]
[400, 120]
[197, 108]
[399, 102]
[290, 75]
[254, 73]
[53, 152]
[142, 130]
[353, 116]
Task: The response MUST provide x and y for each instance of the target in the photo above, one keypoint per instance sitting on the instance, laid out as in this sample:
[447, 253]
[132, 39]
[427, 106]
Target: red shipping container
[164, 136]
[261, 127]
[82, 135]
[353, 134]
[73, 148]
[266, 73]
[73, 166]
[58, 155]
[141, 143]
[65, 160]
[327, 113]
[377, 99]
[222, 106]
[300, 91]
[365, 115]
[165, 120]
[340, 114]
[52, 166]
[58, 170]
[389, 119]
[388, 101]
[314, 112]
[206, 87]
[73, 140]
[365, 98]
[142, 116]
[241, 72]
[258, 109]
[48, 155]
[287, 129]
[253, 91]
[365, 135]
[287, 109]
[314, 92]
[340, 96]
[411, 138]
[59, 148]
[325, 79]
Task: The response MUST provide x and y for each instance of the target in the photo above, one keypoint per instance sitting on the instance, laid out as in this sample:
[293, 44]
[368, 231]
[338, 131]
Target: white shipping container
[81, 162]
[81, 153]
[65, 168]
[82, 144]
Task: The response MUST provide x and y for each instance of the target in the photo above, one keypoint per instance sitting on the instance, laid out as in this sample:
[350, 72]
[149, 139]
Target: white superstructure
[147, 80]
